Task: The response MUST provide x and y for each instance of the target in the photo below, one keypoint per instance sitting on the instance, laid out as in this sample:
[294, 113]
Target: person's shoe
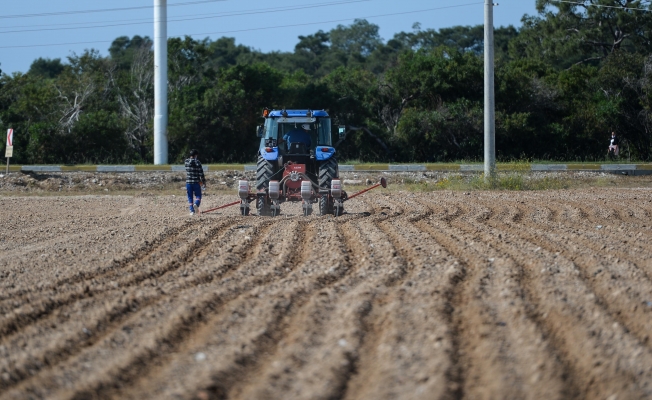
[195, 208]
[192, 213]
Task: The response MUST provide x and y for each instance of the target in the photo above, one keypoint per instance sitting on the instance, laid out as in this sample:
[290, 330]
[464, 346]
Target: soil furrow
[271, 320]
[560, 306]
[294, 290]
[418, 363]
[335, 279]
[37, 309]
[188, 324]
[603, 240]
[102, 295]
[142, 255]
[604, 214]
[151, 252]
[276, 368]
[489, 297]
[620, 287]
[101, 335]
[419, 295]
[348, 306]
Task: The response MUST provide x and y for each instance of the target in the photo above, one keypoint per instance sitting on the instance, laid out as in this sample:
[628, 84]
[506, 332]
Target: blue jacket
[298, 135]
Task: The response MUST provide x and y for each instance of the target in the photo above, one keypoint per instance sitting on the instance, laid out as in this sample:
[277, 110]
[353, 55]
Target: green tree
[585, 31]
[123, 49]
[360, 38]
[46, 67]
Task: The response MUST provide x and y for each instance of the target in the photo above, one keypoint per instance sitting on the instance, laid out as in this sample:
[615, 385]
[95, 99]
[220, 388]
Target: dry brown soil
[479, 295]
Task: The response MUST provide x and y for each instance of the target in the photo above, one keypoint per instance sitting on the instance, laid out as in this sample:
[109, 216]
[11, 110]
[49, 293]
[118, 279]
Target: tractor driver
[298, 135]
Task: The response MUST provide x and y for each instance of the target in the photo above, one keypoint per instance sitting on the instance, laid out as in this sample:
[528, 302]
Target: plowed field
[480, 295]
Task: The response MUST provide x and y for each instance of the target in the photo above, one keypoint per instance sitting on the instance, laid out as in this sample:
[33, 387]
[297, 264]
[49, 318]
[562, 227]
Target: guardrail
[613, 168]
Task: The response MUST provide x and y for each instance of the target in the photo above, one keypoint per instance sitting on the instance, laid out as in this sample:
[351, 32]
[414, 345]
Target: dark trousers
[193, 189]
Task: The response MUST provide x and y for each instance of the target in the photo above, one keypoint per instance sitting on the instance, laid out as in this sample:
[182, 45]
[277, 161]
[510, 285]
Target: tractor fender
[269, 156]
[323, 153]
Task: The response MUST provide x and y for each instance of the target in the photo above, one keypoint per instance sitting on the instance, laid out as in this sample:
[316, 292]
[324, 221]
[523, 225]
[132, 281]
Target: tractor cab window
[297, 137]
[311, 133]
[271, 128]
[324, 132]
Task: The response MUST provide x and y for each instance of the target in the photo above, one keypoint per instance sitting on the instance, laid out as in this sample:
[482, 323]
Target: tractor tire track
[417, 363]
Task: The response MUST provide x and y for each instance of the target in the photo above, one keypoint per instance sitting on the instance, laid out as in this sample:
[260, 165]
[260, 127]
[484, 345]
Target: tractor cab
[296, 135]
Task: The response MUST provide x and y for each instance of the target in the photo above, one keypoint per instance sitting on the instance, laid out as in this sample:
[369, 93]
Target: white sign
[9, 151]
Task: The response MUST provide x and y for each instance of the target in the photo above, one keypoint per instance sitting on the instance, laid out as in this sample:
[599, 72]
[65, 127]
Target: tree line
[565, 80]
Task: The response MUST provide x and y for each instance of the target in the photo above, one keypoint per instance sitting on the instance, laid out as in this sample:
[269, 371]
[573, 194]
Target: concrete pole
[489, 92]
[160, 82]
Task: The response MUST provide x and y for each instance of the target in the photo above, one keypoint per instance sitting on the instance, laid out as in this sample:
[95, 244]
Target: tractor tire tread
[327, 172]
[264, 171]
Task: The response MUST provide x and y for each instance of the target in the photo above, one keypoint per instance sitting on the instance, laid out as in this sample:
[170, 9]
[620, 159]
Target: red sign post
[9, 150]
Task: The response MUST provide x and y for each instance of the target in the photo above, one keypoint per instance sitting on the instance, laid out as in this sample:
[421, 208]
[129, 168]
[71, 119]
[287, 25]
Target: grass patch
[503, 181]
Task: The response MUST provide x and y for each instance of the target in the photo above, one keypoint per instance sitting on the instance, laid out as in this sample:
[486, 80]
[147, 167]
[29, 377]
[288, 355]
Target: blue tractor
[296, 162]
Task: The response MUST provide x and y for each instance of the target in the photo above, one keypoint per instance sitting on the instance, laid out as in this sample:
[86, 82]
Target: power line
[335, 20]
[50, 14]
[204, 16]
[601, 6]
[263, 28]
[149, 20]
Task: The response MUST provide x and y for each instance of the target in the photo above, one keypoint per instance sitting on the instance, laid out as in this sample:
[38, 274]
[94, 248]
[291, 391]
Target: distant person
[613, 144]
[194, 180]
[298, 135]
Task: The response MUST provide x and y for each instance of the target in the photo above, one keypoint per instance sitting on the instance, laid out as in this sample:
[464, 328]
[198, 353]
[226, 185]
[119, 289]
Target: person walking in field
[613, 145]
[194, 181]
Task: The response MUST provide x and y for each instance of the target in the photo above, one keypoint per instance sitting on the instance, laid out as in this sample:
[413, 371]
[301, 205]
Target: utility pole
[489, 93]
[160, 82]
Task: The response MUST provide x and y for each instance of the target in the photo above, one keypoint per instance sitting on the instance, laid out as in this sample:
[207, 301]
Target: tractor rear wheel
[264, 171]
[327, 172]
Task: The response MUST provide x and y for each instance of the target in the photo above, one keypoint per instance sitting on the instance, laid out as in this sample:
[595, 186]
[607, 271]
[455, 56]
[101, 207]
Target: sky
[30, 29]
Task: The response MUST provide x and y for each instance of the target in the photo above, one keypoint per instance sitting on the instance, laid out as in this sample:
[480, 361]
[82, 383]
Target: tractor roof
[298, 113]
